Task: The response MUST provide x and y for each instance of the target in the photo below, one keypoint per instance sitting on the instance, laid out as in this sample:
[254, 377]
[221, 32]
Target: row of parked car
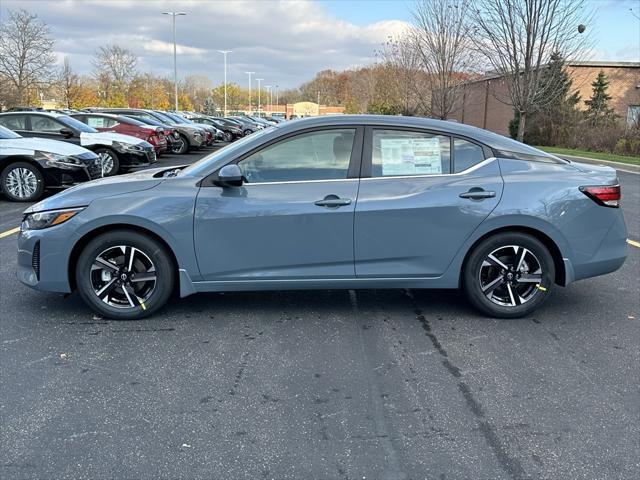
[59, 148]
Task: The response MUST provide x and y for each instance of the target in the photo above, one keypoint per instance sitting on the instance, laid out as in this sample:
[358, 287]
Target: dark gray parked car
[334, 202]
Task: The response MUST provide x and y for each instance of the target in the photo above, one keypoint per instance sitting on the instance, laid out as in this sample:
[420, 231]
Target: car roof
[36, 112]
[490, 139]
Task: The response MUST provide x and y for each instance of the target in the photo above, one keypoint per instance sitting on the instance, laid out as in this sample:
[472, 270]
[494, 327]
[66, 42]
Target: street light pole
[175, 65]
[277, 100]
[259, 91]
[224, 52]
[268, 87]
[250, 107]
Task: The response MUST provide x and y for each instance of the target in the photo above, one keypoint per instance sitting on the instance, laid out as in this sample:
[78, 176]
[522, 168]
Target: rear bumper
[608, 257]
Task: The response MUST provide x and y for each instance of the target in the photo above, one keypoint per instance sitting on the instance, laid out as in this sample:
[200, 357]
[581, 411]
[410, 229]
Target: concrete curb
[625, 167]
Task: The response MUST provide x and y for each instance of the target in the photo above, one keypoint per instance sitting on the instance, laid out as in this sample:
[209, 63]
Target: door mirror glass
[66, 132]
[230, 176]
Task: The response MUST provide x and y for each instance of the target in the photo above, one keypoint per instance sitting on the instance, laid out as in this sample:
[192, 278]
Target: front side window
[466, 155]
[14, 122]
[320, 155]
[45, 124]
[402, 153]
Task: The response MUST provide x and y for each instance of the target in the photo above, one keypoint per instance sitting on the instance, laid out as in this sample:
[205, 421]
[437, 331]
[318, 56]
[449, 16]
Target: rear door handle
[477, 193]
[333, 201]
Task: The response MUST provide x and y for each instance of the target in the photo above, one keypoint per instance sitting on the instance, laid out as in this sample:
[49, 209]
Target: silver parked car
[334, 202]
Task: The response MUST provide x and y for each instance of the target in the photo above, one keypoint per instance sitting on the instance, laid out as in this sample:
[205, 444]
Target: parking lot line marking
[634, 243]
[9, 232]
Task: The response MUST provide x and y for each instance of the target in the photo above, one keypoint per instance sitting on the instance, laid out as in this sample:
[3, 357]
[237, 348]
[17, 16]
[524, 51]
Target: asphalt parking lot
[368, 384]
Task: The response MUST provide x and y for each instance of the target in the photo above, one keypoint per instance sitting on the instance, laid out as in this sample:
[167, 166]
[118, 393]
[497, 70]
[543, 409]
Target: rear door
[293, 217]
[422, 194]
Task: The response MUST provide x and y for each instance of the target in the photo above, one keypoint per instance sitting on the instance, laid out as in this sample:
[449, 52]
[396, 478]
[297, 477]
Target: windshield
[166, 118]
[229, 149]
[177, 118]
[131, 121]
[77, 124]
[5, 133]
[147, 121]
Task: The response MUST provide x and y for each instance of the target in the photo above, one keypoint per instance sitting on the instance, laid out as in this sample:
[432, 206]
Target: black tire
[121, 304]
[112, 162]
[248, 132]
[184, 145]
[22, 182]
[513, 292]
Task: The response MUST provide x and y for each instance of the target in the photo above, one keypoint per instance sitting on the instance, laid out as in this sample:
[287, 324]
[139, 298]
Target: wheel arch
[90, 235]
[547, 241]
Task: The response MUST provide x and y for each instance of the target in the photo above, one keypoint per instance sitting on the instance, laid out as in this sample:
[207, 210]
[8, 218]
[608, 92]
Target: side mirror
[230, 176]
[66, 132]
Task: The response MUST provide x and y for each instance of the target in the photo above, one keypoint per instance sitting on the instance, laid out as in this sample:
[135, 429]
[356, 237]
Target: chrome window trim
[303, 181]
[486, 161]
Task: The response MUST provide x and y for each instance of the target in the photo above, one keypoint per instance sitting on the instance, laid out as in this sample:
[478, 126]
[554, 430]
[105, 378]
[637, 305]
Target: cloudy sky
[283, 41]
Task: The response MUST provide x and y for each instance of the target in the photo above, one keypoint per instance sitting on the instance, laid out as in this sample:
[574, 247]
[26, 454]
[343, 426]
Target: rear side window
[402, 153]
[466, 155]
[14, 122]
[100, 122]
[321, 155]
[45, 124]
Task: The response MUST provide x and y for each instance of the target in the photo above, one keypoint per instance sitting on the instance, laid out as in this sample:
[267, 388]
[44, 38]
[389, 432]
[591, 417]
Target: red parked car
[105, 122]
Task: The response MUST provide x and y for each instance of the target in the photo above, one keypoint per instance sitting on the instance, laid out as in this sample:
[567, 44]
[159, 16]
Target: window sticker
[410, 156]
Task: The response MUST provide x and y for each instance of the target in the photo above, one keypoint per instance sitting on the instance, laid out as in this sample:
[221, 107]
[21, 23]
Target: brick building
[485, 102]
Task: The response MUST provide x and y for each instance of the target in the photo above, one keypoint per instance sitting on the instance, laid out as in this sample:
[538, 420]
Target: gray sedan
[334, 202]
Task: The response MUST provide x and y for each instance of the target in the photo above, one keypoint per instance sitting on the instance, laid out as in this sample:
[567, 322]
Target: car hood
[84, 193]
[43, 145]
[107, 138]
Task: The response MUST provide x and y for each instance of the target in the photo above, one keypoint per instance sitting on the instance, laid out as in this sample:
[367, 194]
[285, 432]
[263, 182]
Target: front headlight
[40, 220]
[60, 161]
[128, 147]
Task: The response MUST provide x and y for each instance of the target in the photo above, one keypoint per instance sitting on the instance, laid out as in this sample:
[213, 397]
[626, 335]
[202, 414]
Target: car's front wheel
[509, 275]
[125, 275]
[109, 161]
[22, 182]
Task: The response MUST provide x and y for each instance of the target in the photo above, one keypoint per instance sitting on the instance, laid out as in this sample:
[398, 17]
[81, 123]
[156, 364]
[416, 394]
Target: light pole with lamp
[175, 67]
[268, 87]
[225, 52]
[250, 107]
[259, 91]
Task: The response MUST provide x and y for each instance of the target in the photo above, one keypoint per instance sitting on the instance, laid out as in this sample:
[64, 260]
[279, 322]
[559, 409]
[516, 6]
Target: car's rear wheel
[509, 275]
[22, 182]
[109, 161]
[125, 275]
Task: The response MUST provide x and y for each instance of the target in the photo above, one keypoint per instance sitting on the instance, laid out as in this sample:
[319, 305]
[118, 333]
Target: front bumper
[65, 177]
[43, 258]
[129, 159]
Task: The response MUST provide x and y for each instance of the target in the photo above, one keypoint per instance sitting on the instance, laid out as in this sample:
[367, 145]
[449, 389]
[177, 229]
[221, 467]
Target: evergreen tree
[558, 116]
[598, 110]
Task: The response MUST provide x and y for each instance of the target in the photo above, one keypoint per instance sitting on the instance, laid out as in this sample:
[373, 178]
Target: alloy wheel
[123, 277]
[21, 182]
[510, 276]
[106, 162]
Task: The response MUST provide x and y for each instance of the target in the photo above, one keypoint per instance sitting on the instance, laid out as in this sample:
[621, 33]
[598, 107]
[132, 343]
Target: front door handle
[333, 201]
[477, 193]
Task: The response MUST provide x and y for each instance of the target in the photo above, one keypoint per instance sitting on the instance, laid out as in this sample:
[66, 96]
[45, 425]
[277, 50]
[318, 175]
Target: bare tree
[440, 36]
[404, 64]
[116, 65]
[518, 37]
[26, 53]
[67, 83]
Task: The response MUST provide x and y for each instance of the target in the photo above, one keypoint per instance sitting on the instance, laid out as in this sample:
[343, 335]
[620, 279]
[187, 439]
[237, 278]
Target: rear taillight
[605, 195]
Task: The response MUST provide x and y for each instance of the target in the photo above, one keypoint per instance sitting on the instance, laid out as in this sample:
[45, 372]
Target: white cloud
[283, 41]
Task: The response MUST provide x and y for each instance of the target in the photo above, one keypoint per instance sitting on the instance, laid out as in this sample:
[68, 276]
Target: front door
[422, 194]
[293, 217]
[44, 126]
